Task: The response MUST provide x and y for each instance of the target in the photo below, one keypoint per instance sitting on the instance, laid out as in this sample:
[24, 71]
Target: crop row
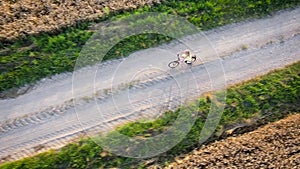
[25, 17]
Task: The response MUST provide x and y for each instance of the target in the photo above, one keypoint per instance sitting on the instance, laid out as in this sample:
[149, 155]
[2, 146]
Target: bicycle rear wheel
[193, 59]
[173, 64]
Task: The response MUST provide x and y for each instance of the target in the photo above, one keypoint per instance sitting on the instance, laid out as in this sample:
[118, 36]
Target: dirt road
[46, 117]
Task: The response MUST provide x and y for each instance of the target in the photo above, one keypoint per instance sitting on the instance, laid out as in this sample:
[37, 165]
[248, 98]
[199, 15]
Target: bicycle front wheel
[173, 64]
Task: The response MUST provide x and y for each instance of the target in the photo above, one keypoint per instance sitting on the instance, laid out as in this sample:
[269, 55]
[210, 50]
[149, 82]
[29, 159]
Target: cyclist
[186, 56]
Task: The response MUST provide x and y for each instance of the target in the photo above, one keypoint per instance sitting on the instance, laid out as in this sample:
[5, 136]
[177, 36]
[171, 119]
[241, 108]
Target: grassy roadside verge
[35, 57]
[271, 96]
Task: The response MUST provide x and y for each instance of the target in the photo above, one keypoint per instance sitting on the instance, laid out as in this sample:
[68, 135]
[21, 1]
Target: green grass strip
[30, 59]
[275, 94]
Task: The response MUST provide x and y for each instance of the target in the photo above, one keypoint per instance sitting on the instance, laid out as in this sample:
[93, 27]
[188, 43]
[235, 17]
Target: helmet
[187, 52]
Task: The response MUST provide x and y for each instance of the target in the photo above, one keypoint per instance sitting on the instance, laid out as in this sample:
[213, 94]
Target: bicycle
[175, 63]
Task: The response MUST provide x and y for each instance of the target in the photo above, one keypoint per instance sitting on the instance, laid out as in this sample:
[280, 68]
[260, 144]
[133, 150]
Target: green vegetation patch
[272, 97]
[34, 57]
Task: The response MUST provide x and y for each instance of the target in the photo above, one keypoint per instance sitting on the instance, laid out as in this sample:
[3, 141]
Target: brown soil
[23, 17]
[276, 145]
